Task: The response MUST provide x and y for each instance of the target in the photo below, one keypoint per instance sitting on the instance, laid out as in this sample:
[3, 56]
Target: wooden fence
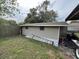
[9, 30]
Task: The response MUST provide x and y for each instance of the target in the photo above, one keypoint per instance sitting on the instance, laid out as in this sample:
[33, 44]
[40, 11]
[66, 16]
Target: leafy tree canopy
[7, 7]
[7, 22]
[41, 14]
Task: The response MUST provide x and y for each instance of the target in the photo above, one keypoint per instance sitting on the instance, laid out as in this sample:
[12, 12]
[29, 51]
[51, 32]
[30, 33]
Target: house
[49, 32]
[74, 15]
[73, 26]
[74, 18]
[45, 32]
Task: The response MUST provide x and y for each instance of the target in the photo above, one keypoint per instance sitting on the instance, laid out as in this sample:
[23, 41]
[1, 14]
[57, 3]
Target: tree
[3, 21]
[32, 17]
[47, 16]
[12, 22]
[41, 14]
[7, 22]
[7, 7]
[43, 6]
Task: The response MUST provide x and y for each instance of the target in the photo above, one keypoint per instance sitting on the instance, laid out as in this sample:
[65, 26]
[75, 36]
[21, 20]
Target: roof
[46, 24]
[74, 15]
[75, 21]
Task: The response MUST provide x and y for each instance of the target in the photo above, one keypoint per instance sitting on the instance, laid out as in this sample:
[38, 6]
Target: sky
[62, 7]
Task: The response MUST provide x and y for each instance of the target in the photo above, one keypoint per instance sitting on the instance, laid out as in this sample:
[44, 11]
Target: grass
[24, 48]
[77, 34]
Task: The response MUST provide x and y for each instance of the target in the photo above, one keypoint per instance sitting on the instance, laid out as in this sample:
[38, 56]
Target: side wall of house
[73, 28]
[49, 34]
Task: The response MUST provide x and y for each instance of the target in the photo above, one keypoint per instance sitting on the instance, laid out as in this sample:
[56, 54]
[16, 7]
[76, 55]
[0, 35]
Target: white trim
[46, 40]
[46, 25]
[58, 34]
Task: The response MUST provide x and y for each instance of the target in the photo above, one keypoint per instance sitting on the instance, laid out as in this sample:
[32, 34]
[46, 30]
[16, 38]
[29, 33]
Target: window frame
[26, 27]
[42, 28]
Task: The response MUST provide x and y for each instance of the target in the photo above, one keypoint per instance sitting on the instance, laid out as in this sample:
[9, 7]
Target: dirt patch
[67, 53]
[51, 54]
[55, 54]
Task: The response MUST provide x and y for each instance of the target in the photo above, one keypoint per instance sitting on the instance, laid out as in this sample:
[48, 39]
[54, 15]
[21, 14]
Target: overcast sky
[62, 7]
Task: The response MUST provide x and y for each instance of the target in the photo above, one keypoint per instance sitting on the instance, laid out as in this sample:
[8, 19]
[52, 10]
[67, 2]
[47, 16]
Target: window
[26, 27]
[42, 28]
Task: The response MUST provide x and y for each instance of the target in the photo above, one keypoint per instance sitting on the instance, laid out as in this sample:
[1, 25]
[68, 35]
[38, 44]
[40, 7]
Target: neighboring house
[45, 32]
[74, 15]
[73, 26]
[74, 18]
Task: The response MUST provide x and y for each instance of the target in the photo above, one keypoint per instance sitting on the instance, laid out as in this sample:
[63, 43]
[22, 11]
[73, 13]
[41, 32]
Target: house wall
[49, 34]
[73, 27]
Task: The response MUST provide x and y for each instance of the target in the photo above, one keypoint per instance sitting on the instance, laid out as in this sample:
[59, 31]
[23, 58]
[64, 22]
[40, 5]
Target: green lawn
[77, 34]
[23, 48]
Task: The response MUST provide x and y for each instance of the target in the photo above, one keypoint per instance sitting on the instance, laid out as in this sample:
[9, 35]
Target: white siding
[73, 28]
[48, 35]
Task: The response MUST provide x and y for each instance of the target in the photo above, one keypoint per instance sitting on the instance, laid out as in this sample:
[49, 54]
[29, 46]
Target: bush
[8, 28]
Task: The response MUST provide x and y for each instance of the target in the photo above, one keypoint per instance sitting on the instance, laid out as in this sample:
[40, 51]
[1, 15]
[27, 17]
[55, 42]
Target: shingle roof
[46, 24]
[74, 15]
